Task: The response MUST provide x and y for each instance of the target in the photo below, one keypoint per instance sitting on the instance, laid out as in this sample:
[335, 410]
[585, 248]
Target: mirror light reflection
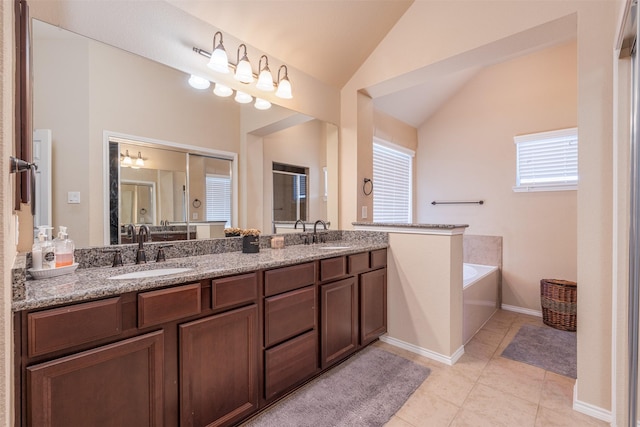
[86, 91]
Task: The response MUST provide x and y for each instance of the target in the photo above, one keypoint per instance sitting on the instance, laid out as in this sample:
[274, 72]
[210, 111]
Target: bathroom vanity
[209, 346]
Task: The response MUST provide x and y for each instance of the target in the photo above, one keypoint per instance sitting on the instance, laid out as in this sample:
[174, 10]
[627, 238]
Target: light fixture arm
[243, 56]
[219, 45]
[286, 72]
[266, 63]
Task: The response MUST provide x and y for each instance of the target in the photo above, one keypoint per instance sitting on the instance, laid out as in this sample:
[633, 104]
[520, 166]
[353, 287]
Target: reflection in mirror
[290, 193]
[163, 186]
[84, 89]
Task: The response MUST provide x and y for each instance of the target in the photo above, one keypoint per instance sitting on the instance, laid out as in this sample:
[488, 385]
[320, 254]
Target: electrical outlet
[364, 212]
[73, 197]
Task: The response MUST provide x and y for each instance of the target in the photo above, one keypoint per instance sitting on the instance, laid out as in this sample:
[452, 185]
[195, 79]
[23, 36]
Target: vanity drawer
[289, 278]
[379, 258]
[290, 363]
[67, 327]
[166, 305]
[333, 268]
[234, 290]
[358, 263]
[287, 315]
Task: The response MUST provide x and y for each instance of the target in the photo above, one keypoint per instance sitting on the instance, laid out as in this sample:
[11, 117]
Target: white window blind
[392, 179]
[547, 161]
[218, 195]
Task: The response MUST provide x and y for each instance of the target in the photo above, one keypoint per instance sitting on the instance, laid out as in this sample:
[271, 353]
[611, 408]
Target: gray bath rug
[544, 347]
[366, 390]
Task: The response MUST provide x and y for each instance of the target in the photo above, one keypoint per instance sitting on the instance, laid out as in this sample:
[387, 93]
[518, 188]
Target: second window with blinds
[392, 180]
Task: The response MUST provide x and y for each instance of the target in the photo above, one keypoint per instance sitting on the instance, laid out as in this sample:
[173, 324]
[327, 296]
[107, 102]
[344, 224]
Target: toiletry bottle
[64, 248]
[48, 251]
[36, 250]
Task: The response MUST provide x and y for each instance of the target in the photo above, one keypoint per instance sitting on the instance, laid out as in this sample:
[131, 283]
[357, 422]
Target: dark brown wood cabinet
[373, 305]
[219, 368]
[119, 384]
[339, 320]
[209, 353]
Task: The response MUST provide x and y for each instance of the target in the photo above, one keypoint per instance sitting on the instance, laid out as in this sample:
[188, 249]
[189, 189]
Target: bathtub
[480, 297]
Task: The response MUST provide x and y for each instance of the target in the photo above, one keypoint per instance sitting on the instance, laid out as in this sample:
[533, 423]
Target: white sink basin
[332, 248]
[150, 273]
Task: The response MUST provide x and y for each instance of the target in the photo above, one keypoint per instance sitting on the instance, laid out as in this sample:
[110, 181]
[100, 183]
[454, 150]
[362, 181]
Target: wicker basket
[559, 299]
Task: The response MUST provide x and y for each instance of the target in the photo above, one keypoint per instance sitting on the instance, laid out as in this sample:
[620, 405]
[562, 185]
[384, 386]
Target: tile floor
[484, 389]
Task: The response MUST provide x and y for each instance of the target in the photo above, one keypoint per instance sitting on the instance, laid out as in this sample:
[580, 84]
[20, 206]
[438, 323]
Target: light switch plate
[73, 197]
[364, 212]
[195, 215]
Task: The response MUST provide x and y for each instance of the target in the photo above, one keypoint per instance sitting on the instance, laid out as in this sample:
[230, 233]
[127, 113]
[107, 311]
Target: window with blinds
[392, 179]
[547, 161]
[218, 198]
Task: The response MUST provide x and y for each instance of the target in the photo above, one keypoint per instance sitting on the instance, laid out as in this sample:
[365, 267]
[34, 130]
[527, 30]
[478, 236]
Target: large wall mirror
[89, 95]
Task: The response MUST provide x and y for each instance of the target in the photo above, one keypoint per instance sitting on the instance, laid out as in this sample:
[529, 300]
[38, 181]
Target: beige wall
[427, 30]
[466, 152]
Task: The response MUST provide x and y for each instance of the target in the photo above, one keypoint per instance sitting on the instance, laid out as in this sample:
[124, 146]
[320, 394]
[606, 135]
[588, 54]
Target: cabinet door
[219, 368]
[115, 385]
[373, 305]
[339, 320]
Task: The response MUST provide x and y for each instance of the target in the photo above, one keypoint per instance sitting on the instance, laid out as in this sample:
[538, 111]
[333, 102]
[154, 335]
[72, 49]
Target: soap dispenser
[64, 248]
[48, 250]
[36, 249]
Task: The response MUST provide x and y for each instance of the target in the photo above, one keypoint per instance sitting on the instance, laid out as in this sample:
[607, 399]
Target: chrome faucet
[315, 233]
[143, 235]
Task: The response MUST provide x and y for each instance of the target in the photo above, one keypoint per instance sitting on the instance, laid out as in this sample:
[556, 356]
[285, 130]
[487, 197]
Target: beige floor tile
[497, 325]
[479, 349]
[507, 338]
[448, 385]
[469, 366]
[519, 379]
[397, 422]
[550, 418]
[490, 337]
[505, 315]
[488, 406]
[557, 393]
[426, 409]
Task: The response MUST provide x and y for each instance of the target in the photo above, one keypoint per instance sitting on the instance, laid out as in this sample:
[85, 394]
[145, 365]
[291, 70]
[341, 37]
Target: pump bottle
[64, 248]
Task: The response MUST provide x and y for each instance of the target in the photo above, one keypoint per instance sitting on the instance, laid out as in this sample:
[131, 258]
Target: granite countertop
[91, 283]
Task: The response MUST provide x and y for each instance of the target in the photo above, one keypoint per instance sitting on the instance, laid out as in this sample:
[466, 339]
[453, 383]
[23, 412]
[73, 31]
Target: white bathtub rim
[481, 270]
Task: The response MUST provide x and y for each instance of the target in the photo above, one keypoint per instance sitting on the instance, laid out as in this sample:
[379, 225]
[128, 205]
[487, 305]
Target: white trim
[589, 409]
[447, 360]
[393, 146]
[521, 310]
[541, 187]
[552, 134]
[411, 230]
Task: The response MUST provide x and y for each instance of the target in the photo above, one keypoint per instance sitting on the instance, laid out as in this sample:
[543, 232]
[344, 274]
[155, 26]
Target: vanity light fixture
[243, 97]
[244, 73]
[222, 90]
[126, 160]
[139, 161]
[262, 104]
[198, 82]
[219, 61]
[284, 85]
[265, 80]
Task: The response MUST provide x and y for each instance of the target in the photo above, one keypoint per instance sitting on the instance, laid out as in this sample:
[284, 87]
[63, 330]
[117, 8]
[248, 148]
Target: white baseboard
[447, 360]
[589, 409]
[521, 310]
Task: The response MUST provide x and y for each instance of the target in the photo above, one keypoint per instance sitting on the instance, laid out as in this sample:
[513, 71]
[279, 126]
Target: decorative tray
[46, 273]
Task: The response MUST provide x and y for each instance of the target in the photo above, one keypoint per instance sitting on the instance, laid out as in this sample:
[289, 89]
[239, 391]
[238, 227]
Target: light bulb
[284, 89]
[126, 162]
[197, 82]
[262, 104]
[242, 97]
[265, 81]
[222, 90]
[244, 73]
[139, 161]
